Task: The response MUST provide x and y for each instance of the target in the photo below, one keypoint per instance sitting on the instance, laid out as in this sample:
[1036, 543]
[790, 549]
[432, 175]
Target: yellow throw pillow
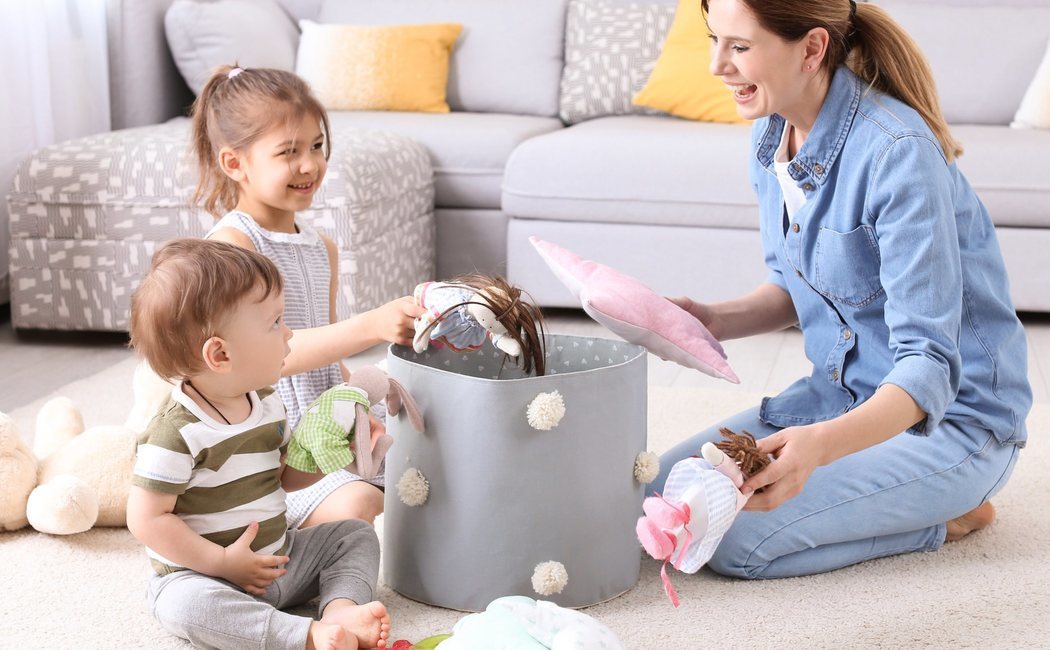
[378, 68]
[680, 83]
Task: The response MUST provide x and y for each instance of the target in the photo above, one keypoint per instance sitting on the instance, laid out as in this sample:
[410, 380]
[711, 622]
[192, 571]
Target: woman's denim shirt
[894, 270]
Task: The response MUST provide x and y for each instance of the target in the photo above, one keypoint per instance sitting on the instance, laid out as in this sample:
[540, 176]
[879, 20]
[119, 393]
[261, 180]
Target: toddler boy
[207, 496]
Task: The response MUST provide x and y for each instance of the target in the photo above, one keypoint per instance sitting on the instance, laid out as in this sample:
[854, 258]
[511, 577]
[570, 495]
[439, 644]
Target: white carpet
[990, 590]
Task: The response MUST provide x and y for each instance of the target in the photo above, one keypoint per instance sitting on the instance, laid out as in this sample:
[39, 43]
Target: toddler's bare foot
[368, 623]
[976, 519]
[325, 636]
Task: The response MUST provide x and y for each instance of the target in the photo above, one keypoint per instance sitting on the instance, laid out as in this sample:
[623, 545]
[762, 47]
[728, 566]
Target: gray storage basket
[504, 496]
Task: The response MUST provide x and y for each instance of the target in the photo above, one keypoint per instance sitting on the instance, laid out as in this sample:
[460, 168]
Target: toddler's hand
[375, 426]
[247, 569]
[393, 321]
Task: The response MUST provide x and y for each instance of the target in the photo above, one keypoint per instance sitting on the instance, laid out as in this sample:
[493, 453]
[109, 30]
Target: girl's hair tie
[234, 72]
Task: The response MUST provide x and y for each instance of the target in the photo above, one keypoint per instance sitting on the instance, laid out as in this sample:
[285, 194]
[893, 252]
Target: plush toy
[526, 624]
[17, 474]
[73, 479]
[465, 311]
[700, 502]
[328, 435]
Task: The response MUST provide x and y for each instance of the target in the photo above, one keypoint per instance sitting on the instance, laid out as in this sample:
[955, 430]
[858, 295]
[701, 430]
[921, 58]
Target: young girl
[885, 257]
[262, 143]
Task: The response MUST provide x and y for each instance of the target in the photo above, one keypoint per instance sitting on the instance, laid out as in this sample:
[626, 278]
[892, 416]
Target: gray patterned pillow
[610, 50]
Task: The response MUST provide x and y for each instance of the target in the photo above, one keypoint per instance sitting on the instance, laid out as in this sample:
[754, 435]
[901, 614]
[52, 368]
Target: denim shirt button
[794, 227]
[808, 187]
[847, 335]
[835, 374]
[818, 169]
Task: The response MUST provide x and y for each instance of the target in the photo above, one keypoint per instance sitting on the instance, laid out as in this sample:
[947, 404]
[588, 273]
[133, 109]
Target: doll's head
[743, 450]
[487, 318]
[495, 298]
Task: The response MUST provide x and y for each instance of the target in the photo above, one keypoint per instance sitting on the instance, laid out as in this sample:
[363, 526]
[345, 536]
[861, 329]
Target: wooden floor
[34, 363]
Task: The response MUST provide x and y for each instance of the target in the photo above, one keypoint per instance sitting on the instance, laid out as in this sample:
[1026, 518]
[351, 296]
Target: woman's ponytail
[886, 57]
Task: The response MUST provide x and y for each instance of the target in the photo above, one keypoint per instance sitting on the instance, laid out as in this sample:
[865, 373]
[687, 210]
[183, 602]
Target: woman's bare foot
[976, 519]
[369, 623]
[324, 636]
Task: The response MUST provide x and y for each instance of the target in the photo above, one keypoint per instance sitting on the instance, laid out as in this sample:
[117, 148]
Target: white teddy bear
[73, 479]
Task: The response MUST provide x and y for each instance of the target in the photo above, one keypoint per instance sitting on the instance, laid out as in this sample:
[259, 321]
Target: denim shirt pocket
[846, 266]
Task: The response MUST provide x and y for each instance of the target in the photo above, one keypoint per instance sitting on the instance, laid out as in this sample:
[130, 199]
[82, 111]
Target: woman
[881, 252]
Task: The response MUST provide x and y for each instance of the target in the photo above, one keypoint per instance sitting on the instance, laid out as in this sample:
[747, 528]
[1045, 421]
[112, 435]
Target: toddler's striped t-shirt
[225, 475]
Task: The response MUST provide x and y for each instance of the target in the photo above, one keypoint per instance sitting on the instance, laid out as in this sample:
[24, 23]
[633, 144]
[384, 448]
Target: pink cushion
[636, 313]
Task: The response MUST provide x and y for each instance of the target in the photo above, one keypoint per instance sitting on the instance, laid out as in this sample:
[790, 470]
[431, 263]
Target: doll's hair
[192, 287]
[743, 450]
[235, 108]
[523, 319]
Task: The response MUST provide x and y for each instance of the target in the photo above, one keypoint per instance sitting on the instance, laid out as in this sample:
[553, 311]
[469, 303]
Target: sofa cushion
[508, 59]
[635, 169]
[1008, 170]
[983, 53]
[205, 35]
[377, 67]
[468, 150]
[301, 9]
[610, 51]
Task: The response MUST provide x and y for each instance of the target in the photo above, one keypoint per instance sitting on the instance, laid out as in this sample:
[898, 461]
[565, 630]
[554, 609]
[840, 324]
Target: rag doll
[700, 501]
[465, 311]
[335, 432]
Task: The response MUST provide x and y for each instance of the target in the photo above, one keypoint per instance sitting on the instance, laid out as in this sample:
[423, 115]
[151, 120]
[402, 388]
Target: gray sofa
[665, 199]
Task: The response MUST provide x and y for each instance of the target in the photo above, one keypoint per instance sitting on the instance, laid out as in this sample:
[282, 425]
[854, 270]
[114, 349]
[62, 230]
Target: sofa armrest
[145, 87]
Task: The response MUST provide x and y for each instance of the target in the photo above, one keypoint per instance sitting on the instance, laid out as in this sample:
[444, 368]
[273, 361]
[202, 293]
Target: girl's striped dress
[302, 259]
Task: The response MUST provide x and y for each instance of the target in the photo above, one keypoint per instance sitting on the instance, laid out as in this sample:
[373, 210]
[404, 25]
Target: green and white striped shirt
[225, 475]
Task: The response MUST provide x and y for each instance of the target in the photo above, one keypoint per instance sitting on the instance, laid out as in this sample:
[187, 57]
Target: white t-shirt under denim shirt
[893, 268]
[794, 197]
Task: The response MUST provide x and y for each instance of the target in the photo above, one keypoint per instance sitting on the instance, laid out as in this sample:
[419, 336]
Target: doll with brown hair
[702, 496]
[464, 311]
[742, 449]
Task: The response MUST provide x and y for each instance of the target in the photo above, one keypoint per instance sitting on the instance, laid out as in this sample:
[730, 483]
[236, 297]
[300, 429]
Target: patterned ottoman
[87, 215]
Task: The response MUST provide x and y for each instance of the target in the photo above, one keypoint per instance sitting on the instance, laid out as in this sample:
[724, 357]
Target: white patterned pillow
[1034, 112]
[610, 50]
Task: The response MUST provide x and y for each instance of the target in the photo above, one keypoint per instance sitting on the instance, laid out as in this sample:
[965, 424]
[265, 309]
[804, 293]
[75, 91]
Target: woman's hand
[700, 312]
[766, 309]
[797, 451]
[800, 450]
[393, 322]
